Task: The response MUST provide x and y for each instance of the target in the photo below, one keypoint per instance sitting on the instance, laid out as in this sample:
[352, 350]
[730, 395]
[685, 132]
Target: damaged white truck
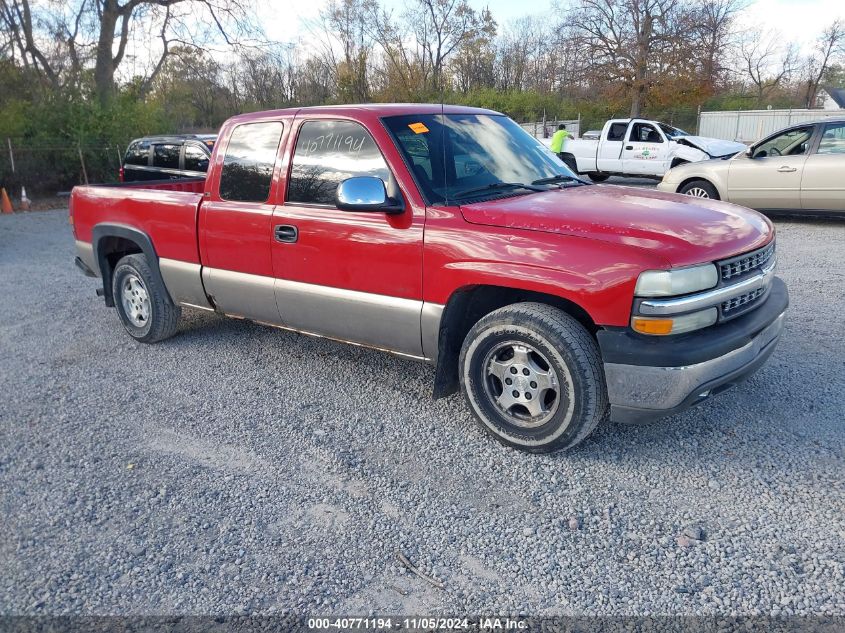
[641, 148]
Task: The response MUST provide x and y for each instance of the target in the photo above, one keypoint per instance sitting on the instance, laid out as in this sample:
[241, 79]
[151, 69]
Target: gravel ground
[241, 469]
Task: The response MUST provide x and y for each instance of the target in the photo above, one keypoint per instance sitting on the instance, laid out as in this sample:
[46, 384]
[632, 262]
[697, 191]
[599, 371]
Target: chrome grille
[737, 266]
[741, 300]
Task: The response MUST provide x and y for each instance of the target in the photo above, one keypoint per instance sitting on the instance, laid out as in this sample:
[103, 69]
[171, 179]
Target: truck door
[236, 221]
[645, 151]
[354, 276]
[610, 147]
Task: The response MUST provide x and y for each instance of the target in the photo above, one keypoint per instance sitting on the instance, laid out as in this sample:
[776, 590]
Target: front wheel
[142, 305]
[533, 377]
[597, 177]
[699, 189]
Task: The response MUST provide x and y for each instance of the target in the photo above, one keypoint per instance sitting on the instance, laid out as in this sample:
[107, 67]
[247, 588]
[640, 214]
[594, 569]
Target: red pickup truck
[451, 236]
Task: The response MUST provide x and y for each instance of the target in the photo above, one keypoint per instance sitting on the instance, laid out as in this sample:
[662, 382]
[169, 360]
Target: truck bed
[166, 210]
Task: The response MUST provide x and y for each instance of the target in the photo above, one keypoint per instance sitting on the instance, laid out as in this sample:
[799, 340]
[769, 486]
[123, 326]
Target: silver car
[799, 168]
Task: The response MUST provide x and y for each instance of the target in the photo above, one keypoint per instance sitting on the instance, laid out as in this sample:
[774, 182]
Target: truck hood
[677, 230]
[713, 146]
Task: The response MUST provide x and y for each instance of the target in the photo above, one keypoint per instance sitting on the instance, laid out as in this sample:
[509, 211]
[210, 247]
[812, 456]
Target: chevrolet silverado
[449, 235]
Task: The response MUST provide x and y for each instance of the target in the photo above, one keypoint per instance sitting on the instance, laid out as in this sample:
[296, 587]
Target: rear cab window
[327, 153]
[617, 131]
[247, 173]
[138, 154]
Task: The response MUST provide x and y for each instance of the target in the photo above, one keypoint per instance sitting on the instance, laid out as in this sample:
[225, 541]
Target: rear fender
[100, 235]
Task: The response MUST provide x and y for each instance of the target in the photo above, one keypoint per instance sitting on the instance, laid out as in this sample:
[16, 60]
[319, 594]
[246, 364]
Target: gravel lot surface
[239, 469]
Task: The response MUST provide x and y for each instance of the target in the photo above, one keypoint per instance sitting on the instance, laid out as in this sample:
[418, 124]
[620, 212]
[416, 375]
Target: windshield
[672, 132]
[470, 156]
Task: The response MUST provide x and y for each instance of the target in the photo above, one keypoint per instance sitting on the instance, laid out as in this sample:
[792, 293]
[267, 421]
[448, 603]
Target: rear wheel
[533, 377]
[699, 189]
[142, 305]
[597, 177]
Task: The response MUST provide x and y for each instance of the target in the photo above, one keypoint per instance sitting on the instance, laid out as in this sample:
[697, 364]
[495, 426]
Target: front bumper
[651, 377]
[668, 187]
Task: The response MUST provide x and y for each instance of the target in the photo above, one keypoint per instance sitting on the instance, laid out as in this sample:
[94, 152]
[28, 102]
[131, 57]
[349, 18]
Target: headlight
[679, 281]
[661, 326]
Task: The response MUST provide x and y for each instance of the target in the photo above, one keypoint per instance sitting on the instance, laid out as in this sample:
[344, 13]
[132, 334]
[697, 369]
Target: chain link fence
[49, 170]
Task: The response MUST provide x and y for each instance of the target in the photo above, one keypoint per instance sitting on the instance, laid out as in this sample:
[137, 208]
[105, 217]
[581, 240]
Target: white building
[831, 99]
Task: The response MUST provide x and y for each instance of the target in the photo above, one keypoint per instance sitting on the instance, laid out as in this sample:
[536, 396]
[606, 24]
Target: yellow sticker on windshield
[418, 128]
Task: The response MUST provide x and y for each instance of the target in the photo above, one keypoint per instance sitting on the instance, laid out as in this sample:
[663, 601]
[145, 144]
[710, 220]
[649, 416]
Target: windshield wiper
[556, 178]
[496, 186]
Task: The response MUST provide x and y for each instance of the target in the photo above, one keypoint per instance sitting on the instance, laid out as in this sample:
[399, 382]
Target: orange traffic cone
[26, 203]
[5, 203]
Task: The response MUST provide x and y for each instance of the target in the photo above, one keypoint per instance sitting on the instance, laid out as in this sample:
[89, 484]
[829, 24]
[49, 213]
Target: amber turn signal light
[652, 326]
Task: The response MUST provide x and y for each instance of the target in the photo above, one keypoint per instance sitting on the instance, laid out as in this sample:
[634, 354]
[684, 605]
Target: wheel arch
[467, 305]
[111, 242]
[706, 179]
[570, 161]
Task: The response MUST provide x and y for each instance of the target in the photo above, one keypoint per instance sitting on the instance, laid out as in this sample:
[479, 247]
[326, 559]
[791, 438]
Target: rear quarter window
[167, 156]
[248, 163]
[617, 131]
[137, 154]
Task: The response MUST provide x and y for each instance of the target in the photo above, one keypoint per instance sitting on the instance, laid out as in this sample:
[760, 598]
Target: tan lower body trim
[432, 313]
[85, 252]
[242, 294]
[403, 326]
[184, 283]
[360, 317]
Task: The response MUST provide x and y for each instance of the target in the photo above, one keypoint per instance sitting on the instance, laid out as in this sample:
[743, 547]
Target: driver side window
[790, 143]
[645, 133]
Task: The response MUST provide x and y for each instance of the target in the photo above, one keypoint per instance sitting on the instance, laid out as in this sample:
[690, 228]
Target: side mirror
[750, 152]
[365, 193]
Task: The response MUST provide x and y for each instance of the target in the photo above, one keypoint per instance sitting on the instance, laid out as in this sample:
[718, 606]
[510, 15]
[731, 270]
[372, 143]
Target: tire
[699, 189]
[570, 162]
[597, 177]
[528, 341]
[142, 305]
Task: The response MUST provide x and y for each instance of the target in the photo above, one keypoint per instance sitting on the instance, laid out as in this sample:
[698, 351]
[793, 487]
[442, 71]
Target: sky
[798, 20]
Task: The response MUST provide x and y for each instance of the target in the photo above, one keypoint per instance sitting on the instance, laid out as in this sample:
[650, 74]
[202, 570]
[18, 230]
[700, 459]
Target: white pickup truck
[637, 147]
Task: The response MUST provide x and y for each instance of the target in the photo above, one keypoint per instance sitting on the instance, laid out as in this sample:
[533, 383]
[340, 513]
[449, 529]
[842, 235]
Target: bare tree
[440, 27]
[765, 62]
[712, 29]
[626, 40]
[346, 45]
[102, 28]
[829, 45]
[473, 65]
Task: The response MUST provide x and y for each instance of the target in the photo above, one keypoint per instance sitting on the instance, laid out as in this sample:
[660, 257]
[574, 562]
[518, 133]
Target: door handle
[629, 147]
[786, 170]
[286, 233]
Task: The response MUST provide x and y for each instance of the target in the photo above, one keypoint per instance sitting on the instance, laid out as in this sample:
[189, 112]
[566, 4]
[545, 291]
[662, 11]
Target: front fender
[687, 153]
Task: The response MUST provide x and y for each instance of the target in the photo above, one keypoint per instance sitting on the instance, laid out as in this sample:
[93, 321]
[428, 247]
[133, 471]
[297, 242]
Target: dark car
[167, 157]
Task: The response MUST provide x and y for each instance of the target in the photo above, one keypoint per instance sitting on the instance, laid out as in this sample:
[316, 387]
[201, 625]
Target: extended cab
[455, 238]
[636, 147]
